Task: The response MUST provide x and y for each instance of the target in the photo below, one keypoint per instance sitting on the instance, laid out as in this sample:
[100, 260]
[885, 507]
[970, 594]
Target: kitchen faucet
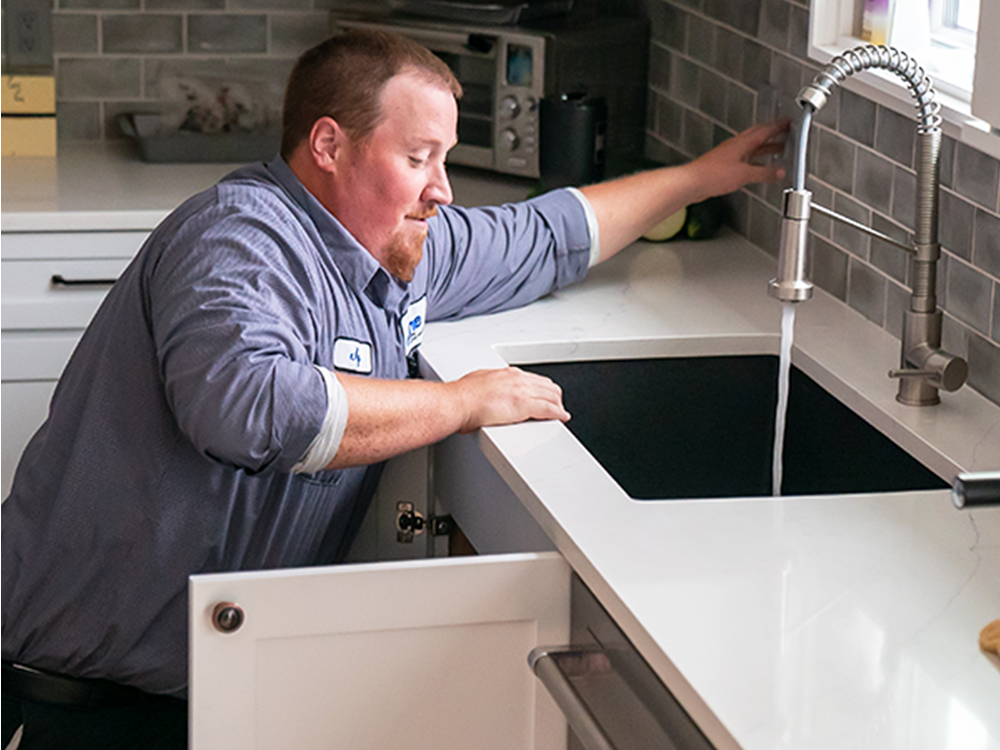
[924, 368]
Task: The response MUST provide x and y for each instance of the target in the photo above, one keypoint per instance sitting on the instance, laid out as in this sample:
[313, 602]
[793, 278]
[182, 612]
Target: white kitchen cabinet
[52, 284]
[408, 654]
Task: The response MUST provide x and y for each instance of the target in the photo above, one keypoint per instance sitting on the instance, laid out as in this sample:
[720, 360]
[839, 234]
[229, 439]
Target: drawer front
[79, 245]
[25, 406]
[35, 355]
[42, 294]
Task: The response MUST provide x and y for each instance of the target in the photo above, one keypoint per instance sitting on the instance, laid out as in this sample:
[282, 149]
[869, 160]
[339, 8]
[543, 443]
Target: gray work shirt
[173, 431]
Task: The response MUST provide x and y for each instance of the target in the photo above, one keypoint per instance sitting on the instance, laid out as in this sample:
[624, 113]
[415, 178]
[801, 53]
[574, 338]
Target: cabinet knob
[228, 617]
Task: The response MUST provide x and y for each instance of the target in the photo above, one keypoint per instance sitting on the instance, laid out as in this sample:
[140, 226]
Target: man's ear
[326, 143]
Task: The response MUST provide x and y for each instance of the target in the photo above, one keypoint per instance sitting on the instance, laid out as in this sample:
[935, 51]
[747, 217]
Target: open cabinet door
[415, 654]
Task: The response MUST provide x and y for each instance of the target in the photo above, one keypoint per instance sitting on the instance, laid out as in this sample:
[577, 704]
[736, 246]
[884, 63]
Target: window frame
[831, 32]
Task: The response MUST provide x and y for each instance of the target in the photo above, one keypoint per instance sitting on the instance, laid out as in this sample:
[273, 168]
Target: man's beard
[405, 250]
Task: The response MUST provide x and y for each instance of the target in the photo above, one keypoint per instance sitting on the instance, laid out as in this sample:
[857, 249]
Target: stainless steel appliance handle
[581, 720]
[434, 39]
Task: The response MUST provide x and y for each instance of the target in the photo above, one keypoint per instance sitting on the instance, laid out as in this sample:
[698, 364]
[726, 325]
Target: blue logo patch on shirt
[352, 356]
[412, 324]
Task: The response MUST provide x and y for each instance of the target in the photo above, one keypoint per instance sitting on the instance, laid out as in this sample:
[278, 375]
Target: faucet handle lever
[943, 370]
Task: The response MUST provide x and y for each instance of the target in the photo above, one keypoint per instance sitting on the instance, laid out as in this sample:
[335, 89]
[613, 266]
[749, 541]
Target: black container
[573, 128]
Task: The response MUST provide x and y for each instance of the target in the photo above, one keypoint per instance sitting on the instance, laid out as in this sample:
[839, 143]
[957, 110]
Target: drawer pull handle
[584, 724]
[60, 280]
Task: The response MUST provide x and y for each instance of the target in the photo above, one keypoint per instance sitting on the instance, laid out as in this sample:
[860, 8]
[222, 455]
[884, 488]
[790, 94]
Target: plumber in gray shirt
[231, 402]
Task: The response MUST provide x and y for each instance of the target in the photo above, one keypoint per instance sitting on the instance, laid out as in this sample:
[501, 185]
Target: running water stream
[784, 367]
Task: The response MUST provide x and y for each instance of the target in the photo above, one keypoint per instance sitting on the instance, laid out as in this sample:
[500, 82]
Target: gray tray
[191, 148]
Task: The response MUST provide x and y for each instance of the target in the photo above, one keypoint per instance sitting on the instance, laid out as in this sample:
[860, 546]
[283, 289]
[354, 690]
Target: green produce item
[667, 228]
[705, 218]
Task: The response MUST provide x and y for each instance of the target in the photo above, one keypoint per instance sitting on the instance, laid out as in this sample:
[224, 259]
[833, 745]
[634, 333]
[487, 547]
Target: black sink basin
[698, 427]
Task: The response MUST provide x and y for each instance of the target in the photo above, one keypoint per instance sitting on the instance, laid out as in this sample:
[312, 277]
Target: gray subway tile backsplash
[134, 33]
[867, 291]
[98, 5]
[97, 78]
[834, 156]
[739, 107]
[153, 5]
[743, 16]
[986, 254]
[775, 17]
[873, 180]
[984, 366]
[885, 256]
[685, 80]
[849, 238]
[970, 295]
[956, 219]
[78, 121]
[269, 5]
[75, 33]
[798, 34]
[712, 95]
[701, 35]
[698, 133]
[829, 267]
[857, 118]
[729, 53]
[976, 176]
[293, 32]
[904, 196]
[895, 136]
[227, 33]
[995, 326]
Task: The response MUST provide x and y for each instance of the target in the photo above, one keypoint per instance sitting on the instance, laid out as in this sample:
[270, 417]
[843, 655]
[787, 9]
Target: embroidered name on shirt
[412, 324]
[352, 356]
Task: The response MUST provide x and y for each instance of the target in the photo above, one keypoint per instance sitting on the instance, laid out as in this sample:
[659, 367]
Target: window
[952, 28]
[949, 40]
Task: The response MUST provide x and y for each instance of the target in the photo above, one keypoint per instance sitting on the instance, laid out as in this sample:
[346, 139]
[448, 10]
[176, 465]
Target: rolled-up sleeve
[484, 260]
[233, 333]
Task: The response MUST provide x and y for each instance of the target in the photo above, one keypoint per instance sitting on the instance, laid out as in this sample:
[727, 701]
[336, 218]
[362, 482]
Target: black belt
[28, 683]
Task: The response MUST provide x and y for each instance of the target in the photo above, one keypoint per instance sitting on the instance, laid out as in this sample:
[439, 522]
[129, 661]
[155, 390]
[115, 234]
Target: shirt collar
[357, 265]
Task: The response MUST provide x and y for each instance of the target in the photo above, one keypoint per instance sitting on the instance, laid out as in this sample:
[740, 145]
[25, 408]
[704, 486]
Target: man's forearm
[390, 417]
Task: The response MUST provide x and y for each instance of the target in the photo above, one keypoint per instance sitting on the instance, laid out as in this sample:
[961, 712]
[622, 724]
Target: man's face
[390, 184]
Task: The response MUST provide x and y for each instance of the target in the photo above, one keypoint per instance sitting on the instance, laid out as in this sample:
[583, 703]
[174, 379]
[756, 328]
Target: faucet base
[917, 393]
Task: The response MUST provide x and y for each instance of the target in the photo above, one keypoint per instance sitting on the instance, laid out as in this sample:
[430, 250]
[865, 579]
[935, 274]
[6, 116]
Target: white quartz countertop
[822, 622]
[799, 622]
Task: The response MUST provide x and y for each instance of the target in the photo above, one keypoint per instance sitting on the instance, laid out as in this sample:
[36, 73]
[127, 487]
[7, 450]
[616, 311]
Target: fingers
[508, 396]
[539, 396]
[765, 131]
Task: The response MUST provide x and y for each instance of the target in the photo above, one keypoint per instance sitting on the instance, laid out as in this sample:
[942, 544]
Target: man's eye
[416, 161]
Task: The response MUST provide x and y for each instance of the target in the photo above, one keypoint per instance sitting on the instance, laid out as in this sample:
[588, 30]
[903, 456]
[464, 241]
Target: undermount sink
[703, 427]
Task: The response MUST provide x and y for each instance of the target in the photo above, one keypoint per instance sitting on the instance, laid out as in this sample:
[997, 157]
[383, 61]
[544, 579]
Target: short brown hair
[343, 78]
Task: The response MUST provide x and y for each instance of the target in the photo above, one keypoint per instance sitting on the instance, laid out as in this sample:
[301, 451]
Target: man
[230, 404]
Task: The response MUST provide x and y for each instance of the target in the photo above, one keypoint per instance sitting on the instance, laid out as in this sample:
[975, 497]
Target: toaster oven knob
[510, 139]
[510, 107]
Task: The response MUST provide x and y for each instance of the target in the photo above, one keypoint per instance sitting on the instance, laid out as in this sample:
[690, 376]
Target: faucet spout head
[791, 283]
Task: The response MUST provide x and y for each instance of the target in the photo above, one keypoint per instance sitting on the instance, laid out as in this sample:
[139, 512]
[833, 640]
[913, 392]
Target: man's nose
[438, 190]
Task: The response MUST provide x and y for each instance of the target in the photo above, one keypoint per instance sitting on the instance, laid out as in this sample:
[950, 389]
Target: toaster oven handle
[436, 40]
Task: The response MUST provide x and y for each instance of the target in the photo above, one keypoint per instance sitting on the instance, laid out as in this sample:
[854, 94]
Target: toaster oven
[506, 71]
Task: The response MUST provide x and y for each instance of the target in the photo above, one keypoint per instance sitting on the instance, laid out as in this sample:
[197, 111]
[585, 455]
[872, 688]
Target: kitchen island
[800, 622]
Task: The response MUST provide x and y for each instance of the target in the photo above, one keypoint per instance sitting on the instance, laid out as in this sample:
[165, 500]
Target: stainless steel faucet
[924, 368]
